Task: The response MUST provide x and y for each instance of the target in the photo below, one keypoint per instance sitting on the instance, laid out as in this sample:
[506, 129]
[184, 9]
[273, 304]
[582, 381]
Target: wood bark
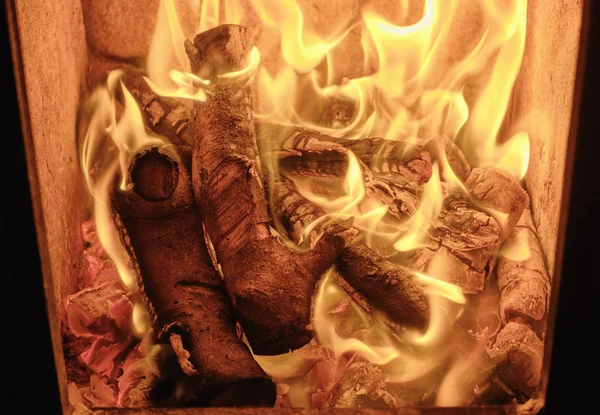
[387, 286]
[524, 285]
[162, 232]
[270, 286]
[518, 352]
[469, 238]
[167, 117]
[443, 148]
[313, 153]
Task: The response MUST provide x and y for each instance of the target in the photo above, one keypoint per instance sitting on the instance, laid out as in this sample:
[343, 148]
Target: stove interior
[396, 144]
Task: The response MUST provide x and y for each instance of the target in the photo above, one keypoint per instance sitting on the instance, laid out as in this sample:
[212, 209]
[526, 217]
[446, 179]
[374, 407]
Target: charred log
[387, 286]
[187, 300]
[363, 386]
[469, 238]
[312, 153]
[524, 285]
[167, 117]
[518, 352]
[270, 286]
[444, 149]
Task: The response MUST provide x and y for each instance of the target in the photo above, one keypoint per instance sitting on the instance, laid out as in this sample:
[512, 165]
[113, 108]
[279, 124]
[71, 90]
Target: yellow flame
[167, 64]
[301, 50]
[416, 81]
[516, 247]
[128, 137]
[140, 319]
[403, 355]
[487, 114]
[429, 209]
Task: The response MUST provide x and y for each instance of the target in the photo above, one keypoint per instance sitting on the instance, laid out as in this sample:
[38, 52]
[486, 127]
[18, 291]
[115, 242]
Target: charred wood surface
[470, 231]
[162, 232]
[270, 286]
[312, 153]
[524, 285]
[444, 149]
[363, 386]
[387, 286]
[167, 117]
[518, 352]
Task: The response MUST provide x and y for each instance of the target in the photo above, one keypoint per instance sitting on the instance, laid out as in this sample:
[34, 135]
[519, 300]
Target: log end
[154, 175]
[518, 353]
[218, 51]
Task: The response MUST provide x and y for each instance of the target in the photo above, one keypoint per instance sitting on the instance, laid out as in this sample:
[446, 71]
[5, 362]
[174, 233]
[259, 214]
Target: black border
[27, 356]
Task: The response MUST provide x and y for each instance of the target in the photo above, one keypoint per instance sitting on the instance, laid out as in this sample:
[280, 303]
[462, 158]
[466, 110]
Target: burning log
[387, 286]
[369, 273]
[363, 386]
[162, 232]
[524, 285]
[270, 286]
[468, 238]
[313, 153]
[165, 116]
[443, 148]
[518, 352]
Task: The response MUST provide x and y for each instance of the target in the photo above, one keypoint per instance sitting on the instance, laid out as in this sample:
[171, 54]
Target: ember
[284, 231]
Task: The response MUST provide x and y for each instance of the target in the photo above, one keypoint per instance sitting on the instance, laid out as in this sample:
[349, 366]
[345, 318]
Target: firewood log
[518, 352]
[441, 147]
[318, 154]
[369, 273]
[468, 238]
[363, 385]
[270, 286]
[167, 117]
[524, 285]
[162, 232]
[388, 287]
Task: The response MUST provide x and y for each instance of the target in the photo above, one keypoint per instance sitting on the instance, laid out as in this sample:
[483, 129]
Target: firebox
[299, 203]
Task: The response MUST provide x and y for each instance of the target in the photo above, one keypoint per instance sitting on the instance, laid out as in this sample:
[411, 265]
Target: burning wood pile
[294, 266]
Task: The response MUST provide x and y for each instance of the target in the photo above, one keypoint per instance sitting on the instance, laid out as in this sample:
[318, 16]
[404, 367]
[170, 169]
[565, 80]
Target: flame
[378, 342]
[109, 143]
[167, 64]
[411, 80]
[141, 319]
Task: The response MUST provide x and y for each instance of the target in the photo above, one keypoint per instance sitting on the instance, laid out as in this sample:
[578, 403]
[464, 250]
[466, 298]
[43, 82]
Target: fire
[414, 82]
[109, 142]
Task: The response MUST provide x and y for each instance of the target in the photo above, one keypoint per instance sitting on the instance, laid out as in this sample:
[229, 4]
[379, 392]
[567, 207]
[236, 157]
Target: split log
[524, 285]
[468, 238]
[270, 286]
[401, 200]
[313, 153]
[363, 385]
[369, 273]
[518, 352]
[162, 232]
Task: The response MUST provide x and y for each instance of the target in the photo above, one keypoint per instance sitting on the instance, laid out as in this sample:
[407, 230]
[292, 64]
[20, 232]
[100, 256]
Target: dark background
[30, 373]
